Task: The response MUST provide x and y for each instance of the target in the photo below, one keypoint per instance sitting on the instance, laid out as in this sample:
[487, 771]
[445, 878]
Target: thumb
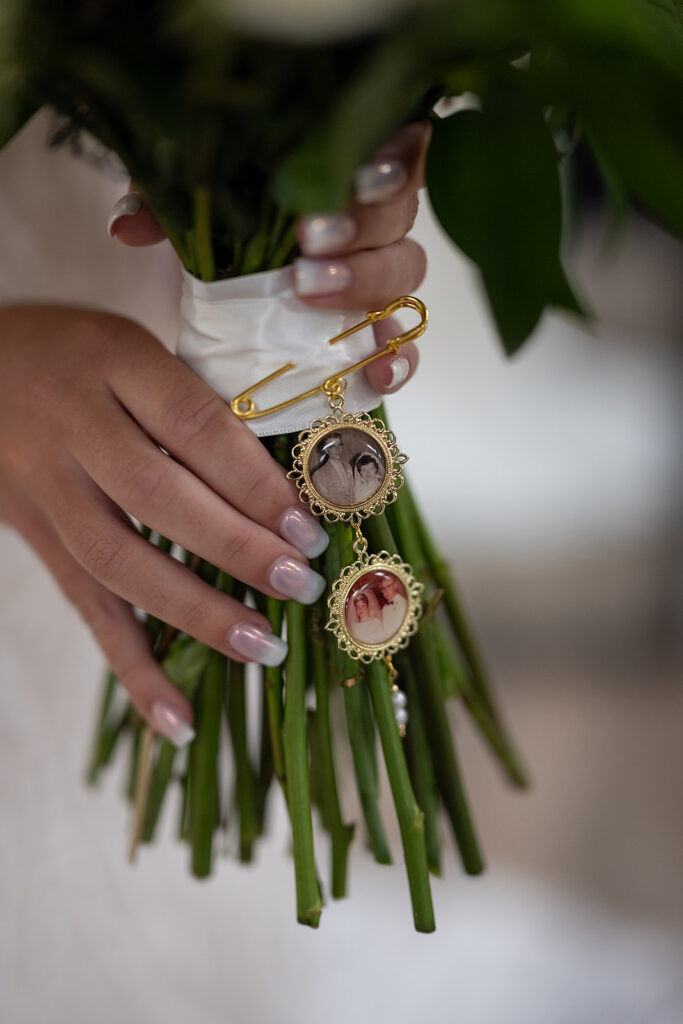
[391, 372]
[132, 223]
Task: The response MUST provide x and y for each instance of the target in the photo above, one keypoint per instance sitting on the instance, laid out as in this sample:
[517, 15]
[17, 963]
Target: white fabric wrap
[234, 333]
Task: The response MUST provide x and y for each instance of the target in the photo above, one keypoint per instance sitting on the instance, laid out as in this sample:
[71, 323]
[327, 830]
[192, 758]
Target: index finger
[191, 422]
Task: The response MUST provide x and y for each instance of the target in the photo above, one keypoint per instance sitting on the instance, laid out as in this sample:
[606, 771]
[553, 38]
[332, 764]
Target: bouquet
[234, 118]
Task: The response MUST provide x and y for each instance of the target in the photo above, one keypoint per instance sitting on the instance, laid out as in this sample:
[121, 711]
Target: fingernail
[326, 232]
[379, 180]
[127, 206]
[303, 531]
[400, 368]
[166, 719]
[257, 644]
[320, 277]
[294, 579]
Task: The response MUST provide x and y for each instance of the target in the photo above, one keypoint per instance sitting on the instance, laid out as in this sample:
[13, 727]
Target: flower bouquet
[234, 118]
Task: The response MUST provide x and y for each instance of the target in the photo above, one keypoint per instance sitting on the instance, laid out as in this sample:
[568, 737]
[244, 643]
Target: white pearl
[399, 698]
[401, 716]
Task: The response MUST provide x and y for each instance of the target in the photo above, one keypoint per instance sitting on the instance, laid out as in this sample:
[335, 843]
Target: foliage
[229, 135]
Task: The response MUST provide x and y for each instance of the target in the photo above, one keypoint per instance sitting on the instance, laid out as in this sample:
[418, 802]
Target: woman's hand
[356, 259]
[89, 400]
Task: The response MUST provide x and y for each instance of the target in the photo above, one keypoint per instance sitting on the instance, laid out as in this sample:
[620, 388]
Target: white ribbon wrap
[234, 333]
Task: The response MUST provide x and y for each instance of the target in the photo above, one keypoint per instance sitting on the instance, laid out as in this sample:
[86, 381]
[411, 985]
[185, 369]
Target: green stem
[340, 834]
[410, 817]
[421, 767]
[245, 790]
[105, 734]
[203, 782]
[202, 233]
[161, 777]
[365, 767]
[308, 896]
[359, 721]
[441, 742]
[135, 737]
[273, 686]
[472, 685]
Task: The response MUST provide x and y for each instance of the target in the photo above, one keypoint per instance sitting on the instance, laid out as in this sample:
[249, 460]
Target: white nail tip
[127, 206]
[326, 232]
[167, 720]
[400, 368]
[379, 180]
[321, 277]
[257, 644]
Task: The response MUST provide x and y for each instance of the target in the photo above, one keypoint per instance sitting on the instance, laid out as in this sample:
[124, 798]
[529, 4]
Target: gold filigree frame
[336, 602]
[385, 439]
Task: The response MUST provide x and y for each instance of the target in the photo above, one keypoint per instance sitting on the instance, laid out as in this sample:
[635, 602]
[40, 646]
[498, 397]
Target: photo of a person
[367, 478]
[347, 467]
[376, 607]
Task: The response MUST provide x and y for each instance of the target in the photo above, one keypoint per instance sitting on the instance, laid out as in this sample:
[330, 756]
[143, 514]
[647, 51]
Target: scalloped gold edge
[394, 459]
[336, 602]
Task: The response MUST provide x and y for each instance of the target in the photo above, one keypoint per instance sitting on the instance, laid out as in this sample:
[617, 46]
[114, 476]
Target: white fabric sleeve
[234, 333]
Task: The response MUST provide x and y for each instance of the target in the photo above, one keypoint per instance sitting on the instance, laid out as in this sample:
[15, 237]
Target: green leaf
[16, 105]
[375, 101]
[185, 663]
[494, 183]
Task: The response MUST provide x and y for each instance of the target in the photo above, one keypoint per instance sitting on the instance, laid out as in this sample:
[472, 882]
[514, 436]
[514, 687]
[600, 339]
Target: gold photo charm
[347, 466]
[375, 605]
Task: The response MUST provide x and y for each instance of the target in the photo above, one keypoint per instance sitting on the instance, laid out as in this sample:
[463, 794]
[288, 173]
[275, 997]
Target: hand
[87, 401]
[356, 259]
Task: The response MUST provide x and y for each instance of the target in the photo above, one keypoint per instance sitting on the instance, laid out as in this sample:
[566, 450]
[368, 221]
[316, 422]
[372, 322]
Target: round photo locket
[375, 606]
[347, 467]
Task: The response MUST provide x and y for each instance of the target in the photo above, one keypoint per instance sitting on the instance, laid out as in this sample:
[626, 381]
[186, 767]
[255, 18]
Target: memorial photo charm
[347, 467]
[374, 606]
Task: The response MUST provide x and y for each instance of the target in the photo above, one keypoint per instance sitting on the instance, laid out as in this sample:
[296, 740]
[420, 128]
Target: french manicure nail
[127, 206]
[400, 368]
[326, 232]
[167, 720]
[303, 531]
[294, 579]
[321, 277]
[257, 644]
[379, 180]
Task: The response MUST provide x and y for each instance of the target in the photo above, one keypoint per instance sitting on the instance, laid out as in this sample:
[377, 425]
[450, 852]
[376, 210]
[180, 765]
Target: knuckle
[235, 546]
[194, 618]
[144, 482]
[413, 264]
[195, 414]
[104, 558]
[95, 609]
[412, 207]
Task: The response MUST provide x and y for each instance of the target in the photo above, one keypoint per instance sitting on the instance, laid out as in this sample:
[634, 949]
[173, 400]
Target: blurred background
[554, 483]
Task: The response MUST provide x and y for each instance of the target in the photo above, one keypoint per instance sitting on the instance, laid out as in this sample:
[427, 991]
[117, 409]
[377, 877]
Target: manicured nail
[320, 277]
[303, 531]
[127, 206]
[400, 368]
[166, 719]
[326, 232]
[294, 579]
[380, 180]
[257, 644]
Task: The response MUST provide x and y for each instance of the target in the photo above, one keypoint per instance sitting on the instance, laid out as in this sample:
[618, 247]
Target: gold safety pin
[244, 406]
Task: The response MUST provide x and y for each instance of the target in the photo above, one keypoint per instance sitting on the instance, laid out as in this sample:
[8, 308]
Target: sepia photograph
[376, 607]
[348, 467]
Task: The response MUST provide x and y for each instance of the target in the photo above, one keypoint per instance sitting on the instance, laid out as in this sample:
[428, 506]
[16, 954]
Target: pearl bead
[401, 716]
[399, 698]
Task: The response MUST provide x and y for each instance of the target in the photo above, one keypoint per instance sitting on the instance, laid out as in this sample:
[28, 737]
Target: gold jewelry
[348, 467]
[375, 604]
